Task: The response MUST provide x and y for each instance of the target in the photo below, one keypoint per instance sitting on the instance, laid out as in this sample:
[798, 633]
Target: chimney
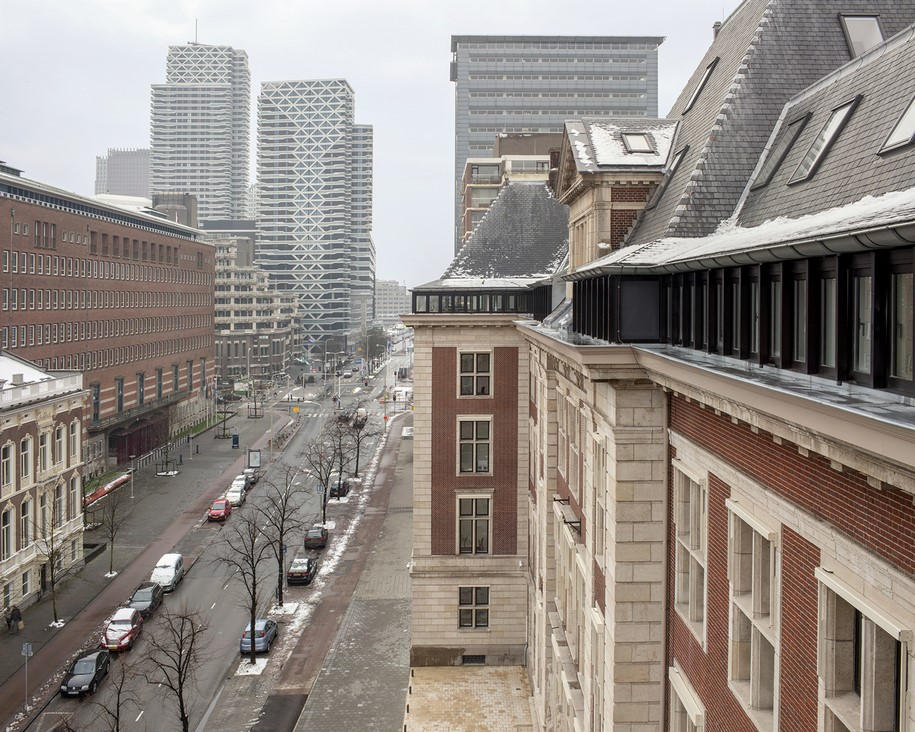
[17, 379]
[716, 26]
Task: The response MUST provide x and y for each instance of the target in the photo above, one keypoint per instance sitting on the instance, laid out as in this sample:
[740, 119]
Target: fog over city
[79, 74]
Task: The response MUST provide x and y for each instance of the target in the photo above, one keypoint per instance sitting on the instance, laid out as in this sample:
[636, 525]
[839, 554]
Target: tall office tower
[535, 83]
[362, 288]
[123, 172]
[200, 124]
[314, 200]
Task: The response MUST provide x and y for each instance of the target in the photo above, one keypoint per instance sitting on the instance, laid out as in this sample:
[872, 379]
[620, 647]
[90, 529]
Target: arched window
[25, 524]
[25, 459]
[73, 454]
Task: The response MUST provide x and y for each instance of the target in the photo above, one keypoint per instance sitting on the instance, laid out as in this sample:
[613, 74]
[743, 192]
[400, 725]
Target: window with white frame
[25, 524]
[43, 515]
[74, 501]
[44, 459]
[473, 607]
[6, 464]
[861, 660]
[474, 445]
[74, 442]
[752, 565]
[473, 524]
[6, 533]
[58, 515]
[690, 527]
[475, 375]
[687, 713]
[25, 459]
[26, 588]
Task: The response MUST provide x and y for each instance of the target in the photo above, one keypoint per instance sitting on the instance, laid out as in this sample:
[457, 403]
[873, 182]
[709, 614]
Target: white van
[169, 571]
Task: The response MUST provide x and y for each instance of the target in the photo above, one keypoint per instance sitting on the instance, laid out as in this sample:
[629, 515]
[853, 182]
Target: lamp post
[133, 469]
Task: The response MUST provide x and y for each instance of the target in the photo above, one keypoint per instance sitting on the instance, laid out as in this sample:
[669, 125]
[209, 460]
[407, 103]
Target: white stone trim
[765, 527]
[684, 690]
[895, 628]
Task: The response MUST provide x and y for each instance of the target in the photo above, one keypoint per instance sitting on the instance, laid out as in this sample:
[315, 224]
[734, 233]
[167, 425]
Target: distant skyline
[86, 86]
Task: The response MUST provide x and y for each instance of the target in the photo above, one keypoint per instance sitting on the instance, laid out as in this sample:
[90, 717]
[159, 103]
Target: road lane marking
[214, 604]
[139, 715]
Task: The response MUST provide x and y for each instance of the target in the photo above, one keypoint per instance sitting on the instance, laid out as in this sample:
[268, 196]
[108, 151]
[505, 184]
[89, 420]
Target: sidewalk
[363, 682]
[158, 501]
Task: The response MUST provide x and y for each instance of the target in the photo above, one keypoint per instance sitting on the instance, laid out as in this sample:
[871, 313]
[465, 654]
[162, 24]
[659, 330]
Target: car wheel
[92, 688]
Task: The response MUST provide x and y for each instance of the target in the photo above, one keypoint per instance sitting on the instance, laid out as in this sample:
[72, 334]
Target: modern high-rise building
[200, 123]
[392, 300]
[314, 169]
[534, 83]
[123, 172]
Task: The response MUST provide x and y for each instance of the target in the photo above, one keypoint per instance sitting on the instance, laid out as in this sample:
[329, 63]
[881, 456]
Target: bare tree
[174, 654]
[246, 547]
[51, 544]
[361, 430]
[279, 509]
[107, 512]
[110, 712]
[320, 456]
[340, 437]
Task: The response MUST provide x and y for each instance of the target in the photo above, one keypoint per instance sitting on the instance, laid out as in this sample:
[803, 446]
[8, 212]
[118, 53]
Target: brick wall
[630, 194]
[621, 221]
[708, 670]
[881, 520]
[798, 673]
[503, 406]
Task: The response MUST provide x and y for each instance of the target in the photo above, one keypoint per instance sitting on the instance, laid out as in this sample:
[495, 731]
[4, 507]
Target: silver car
[265, 631]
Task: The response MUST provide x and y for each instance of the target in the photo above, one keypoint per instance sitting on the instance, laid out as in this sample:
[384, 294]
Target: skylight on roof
[779, 150]
[824, 141]
[862, 32]
[904, 131]
[637, 142]
[668, 174]
[701, 85]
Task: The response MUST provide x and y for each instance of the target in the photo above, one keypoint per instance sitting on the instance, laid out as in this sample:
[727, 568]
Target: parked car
[265, 632]
[146, 598]
[347, 375]
[243, 479]
[86, 673]
[219, 510]
[254, 475]
[235, 495]
[316, 538]
[302, 571]
[168, 572]
[122, 629]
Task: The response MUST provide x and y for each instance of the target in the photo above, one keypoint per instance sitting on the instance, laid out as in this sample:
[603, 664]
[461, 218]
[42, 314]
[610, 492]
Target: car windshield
[117, 624]
[84, 666]
[314, 532]
[219, 504]
[142, 595]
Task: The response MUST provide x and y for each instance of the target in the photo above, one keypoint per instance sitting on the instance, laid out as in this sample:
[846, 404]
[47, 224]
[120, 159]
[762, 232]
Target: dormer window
[904, 131]
[701, 85]
[862, 33]
[669, 173]
[779, 150]
[824, 141]
[637, 142]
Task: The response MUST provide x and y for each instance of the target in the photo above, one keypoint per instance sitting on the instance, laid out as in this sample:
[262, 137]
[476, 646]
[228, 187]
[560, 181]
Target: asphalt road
[208, 588]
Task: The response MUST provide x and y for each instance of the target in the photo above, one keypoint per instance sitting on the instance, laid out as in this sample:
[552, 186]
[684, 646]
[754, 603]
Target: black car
[302, 571]
[85, 673]
[146, 598]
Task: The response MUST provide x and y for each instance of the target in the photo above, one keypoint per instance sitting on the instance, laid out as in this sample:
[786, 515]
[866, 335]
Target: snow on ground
[246, 668]
[109, 575]
[57, 623]
[285, 609]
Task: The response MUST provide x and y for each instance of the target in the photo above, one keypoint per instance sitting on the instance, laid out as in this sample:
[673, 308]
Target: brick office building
[124, 297]
[719, 448]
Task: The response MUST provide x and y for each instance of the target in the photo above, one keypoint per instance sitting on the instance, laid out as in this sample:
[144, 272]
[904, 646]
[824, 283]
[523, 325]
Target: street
[169, 515]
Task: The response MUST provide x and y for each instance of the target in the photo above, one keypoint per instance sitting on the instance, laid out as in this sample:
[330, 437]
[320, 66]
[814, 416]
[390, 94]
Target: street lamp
[133, 469]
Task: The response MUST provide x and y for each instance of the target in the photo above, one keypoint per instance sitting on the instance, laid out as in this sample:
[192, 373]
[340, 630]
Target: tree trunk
[358, 445]
[253, 654]
[111, 557]
[281, 555]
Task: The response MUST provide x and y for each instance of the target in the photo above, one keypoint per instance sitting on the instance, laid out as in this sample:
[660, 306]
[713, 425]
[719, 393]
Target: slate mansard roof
[765, 52]
[857, 194]
[597, 144]
[521, 241]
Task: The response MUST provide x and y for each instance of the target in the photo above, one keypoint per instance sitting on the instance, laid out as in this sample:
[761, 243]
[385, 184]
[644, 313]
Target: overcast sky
[76, 75]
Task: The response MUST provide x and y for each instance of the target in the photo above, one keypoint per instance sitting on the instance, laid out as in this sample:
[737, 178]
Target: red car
[220, 510]
[122, 629]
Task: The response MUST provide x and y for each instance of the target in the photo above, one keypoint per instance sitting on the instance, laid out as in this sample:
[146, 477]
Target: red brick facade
[881, 520]
[446, 483]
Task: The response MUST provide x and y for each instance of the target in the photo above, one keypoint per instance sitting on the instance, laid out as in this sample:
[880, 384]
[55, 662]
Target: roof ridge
[724, 113]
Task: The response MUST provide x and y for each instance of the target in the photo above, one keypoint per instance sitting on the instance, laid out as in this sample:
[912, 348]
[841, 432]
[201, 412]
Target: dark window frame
[848, 39]
[852, 105]
[884, 149]
[801, 121]
[700, 85]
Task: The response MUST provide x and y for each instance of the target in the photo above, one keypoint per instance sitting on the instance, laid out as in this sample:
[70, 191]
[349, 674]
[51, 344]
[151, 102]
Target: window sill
[763, 719]
[847, 708]
[696, 627]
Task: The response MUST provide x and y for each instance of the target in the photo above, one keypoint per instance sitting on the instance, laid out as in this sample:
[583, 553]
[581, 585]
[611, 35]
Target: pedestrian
[8, 617]
[16, 618]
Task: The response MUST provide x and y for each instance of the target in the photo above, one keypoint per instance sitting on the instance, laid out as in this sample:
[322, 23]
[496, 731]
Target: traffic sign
[26, 649]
